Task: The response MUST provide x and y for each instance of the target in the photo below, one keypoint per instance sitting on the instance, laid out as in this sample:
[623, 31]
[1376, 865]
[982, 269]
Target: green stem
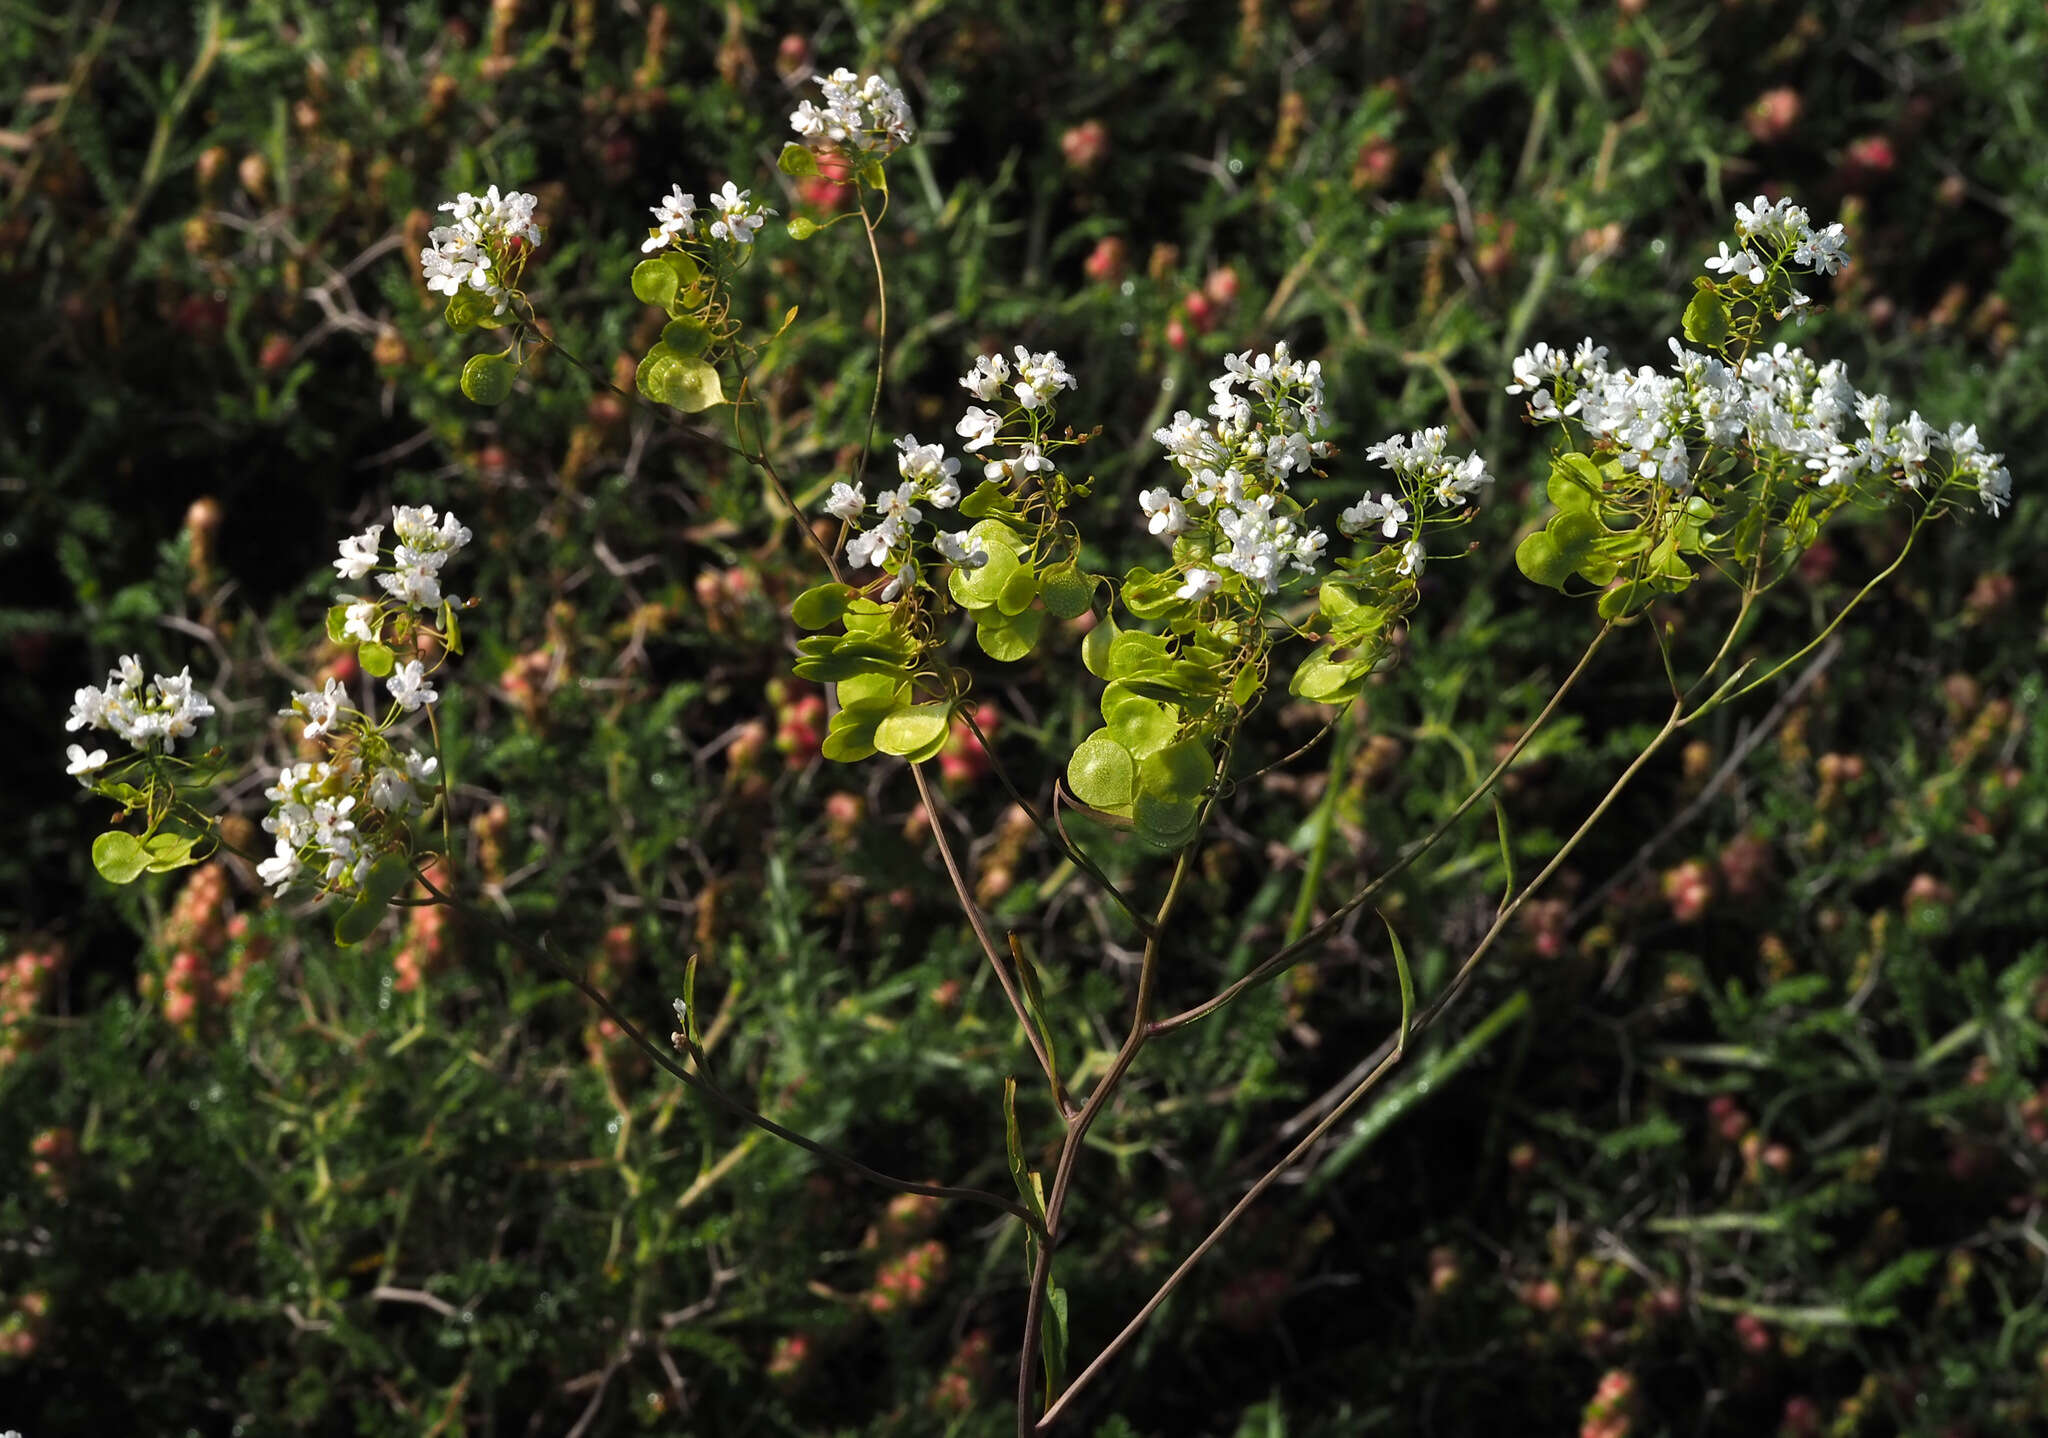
[1725, 696]
[867, 443]
[1394, 1054]
[1077, 1132]
[1293, 951]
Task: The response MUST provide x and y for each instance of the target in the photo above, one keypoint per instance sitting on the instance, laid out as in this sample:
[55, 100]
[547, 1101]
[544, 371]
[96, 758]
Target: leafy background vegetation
[1741, 1135]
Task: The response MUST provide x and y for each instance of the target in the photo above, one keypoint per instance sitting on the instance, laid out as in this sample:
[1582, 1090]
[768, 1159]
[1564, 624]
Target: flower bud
[275, 354]
[1752, 1333]
[1374, 168]
[254, 173]
[211, 165]
[1773, 114]
[1085, 145]
[1107, 261]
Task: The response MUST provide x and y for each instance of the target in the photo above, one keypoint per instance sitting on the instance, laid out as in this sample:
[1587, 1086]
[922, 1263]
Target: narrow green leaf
[1034, 1004]
[1034, 1198]
[690, 1000]
[1507, 852]
[1053, 1339]
[1407, 981]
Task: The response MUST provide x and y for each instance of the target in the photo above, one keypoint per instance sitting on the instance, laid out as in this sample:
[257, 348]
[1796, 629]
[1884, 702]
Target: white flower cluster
[868, 117]
[1771, 236]
[153, 716]
[674, 218]
[1236, 467]
[736, 218]
[413, 576]
[1788, 412]
[1034, 383]
[928, 477]
[1425, 474]
[1015, 439]
[1784, 230]
[1542, 372]
[473, 250]
[330, 819]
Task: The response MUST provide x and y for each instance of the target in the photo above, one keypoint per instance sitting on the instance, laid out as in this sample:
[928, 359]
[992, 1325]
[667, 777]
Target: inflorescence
[1790, 416]
[484, 249]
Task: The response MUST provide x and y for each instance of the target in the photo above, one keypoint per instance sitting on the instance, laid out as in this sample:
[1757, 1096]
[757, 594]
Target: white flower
[1741, 262]
[868, 115]
[360, 622]
[1030, 459]
[1823, 251]
[925, 465]
[359, 553]
[1260, 544]
[1413, 555]
[1208, 488]
[1308, 550]
[738, 216]
[1039, 378]
[1198, 583]
[281, 868]
[969, 551]
[88, 709]
[415, 584]
[392, 791]
[408, 685]
[1190, 443]
[1386, 511]
[978, 428]
[1167, 518]
[906, 577]
[871, 549]
[985, 380]
[322, 708]
[421, 530]
[845, 502]
[467, 252]
[898, 507]
[161, 712]
[1775, 223]
[80, 762]
[675, 215]
[421, 768]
